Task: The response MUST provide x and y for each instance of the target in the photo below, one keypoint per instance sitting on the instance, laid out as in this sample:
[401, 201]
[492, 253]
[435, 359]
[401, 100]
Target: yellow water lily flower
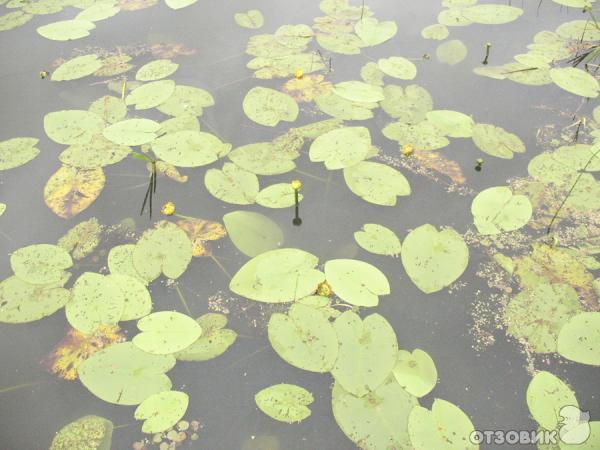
[407, 150]
[324, 289]
[168, 209]
[296, 185]
[298, 73]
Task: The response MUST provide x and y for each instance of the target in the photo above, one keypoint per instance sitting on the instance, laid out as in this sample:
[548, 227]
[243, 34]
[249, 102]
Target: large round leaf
[263, 158]
[398, 67]
[187, 100]
[17, 151]
[213, 342]
[496, 141]
[344, 109]
[372, 32]
[66, 30]
[579, 339]
[492, 14]
[376, 183]
[452, 123]
[378, 239]
[546, 396]
[280, 195]
[277, 276]
[496, 210]
[189, 148]
[416, 372]
[409, 105]
[358, 91]
[434, 259]
[78, 67]
[161, 411]
[110, 108]
[340, 148]
[71, 190]
[285, 402]
[40, 263]
[125, 375]
[166, 332]
[576, 81]
[252, 233]
[99, 152]
[155, 70]
[356, 282]
[150, 95]
[86, 433]
[137, 301]
[132, 131]
[268, 107]
[232, 184]
[72, 126]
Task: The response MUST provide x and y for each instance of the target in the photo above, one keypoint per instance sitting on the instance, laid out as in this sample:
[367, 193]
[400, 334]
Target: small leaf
[285, 402]
[268, 107]
[416, 372]
[378, 239]
[252, 19]
[162, 411]
[166, 332]
[356, 282]
[252, 233]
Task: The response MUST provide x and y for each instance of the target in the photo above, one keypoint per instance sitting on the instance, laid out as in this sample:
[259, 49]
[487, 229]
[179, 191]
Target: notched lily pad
[285, 402]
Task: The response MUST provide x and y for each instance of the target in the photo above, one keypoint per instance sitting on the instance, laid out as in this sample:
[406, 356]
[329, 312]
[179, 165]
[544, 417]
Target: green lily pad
[372, 74]
[576, 81]
[78, 67]
[66, 30]
[214, 341]
[268, 107]
[232, 184]
[285, 402]
[263, 158]
[95, 300]
[492, 14]
[304, 338]
[132, 131]
[161, 411]
[111, 109]
[150, 95]
[188, 148]
[137, 301]
[451, 52]
[2, 208]
[72, 126]
[125, 375]
[579, 339]
[166, 332]
[356, 282]
[252, 233]
[13, 20]
[179, 4]
[98, 11]
[546, 396]
[155, 70]
[434, 259]
[341, 108]
[17, 151]
[340, 42]
[278, 276]
[86, 433]
[186, 100]
[376, 183]
[358, 91]
[341, 148]
[367, 420]
[164, 249]
[22, 302]
[445, 427]
[438, 31]
[99, 152]
[398, 67]
[496, 141]
[280, 195]
[453, 17]
[452, 123]
[578, 30]
[252, 19]
[496, 210]
[40, 263]
[409, 105]
[378, 239]
[416, 372]
[120, 261]
[423, 135]
[180, 123]
[82, 239]
[372, 32]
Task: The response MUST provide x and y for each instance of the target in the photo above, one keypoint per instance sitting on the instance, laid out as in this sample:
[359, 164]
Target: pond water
[485, 352]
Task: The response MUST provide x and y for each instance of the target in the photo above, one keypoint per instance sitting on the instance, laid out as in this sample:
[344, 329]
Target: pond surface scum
[300, 225]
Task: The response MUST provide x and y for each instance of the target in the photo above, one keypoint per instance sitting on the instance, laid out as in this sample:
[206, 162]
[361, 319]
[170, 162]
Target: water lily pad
[492, 14]
[72, 126]
[150, 95]
[232, 184]
[579, 339]
[120, 261]
[137, 301]
[99, 152]
[409, 105]
[200, 231]
[17, 151]
[496, 141]
[285, 402]
[96, 300]
[416, 372]
[576, 81]
[340, 42]
[2, 208]
[155, 70]
[252, 19]
[366, 420]
[187, 100]
[268, 107]
[86, 433]
[214, 341]
[304, 338]
[98, 11]
[82, 239]
[78, 67]
[376, 183]
[161, 411]
[22, 302]
[277, 276]
[445, 427]
[164, 249]
[452, 123]
[263, 158]
[111, 109]
[189, 148]
[40, 263]
[116, 65]
[546, 396]
[423, 135]
[451, 52]
[438, 31]
[13, 20]
[166, 332]
[280, 195]
[252, 233]
[132, 131]
[378, 239]
[372, 32]
[496, 210]
[367, 354]
[358, 91]
[180, 123]
[340, 148]
[372, 74]
[453, 17]
[398, 67]
[125, 375]
[434, 259]
[578, 30]
[71, 190]
[356, 282]
[66, 30]
[179, 4]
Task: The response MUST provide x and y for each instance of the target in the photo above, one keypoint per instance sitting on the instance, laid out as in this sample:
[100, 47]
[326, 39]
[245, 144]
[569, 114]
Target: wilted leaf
[201, 231]
[70, 190]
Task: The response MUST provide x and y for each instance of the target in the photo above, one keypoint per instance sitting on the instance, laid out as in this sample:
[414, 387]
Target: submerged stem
[20, 386]
[220, 266]
[182, 298]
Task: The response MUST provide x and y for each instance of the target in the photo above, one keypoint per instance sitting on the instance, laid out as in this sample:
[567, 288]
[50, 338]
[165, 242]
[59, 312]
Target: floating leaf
[78, 67]
[232, 184]
[491, 14]
[423, 135]
[372, 74]
[22, 302]
[40, 263]
[66, 30]
[416, 372]
[161, 411]
[451, 52]
[264, 158]
[372, 32]
[132, 131]
[13, 20]
[378, 239]
[115, 65]
[408, 105]
[125, 375]
[357, 91]
[496, 210]
[496, 141]
[98, 11]
[111, 109]
[437, 31]
[339, 42]
[376, 183]
[252, 233]
[201, 231]
[17, 151]
[356, 282]
[434, 259]
[164, 249]
[82, 239]
[280, 195]
[214, 341]
[2, 208]
[304, 338]
[120, 261]
[72, 126]
[189, 148]
[86, 433]
[579, 339]
[278, 276]
[398, 67]
[307, 88]
[179, 4]
[155, 70]
[576, 81]
[340, 148]
[180, 123]
[582, 30]
[252, 19]
[99, 152]
[70, 190]
[285, 402]
[344, 109]
[452, 123]
[546, 396]
[366, 420]
[187, 100]
[137, 301]
[268, 107]
[166, 332]
[453, 17]
[150, 95]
